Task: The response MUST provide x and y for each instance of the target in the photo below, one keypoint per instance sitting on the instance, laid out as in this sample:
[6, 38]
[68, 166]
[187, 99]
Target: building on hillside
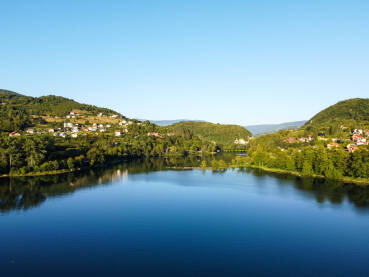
[240, 141]
[332, 145]
[68, 125]
[14, 134]
[30, 131]
[155, 134]
[117, 133]
[291, 140]
[108, 126]
[352, 147]
[114, 116]
[357, 131]
[74, 135]
[358, 138]
[306, 139]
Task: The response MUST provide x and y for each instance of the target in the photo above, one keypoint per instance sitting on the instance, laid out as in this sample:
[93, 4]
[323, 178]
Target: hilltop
[347, 114]
[18, 112]
[219, 133]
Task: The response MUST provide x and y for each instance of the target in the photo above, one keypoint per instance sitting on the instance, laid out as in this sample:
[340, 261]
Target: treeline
[315, 161]
[43, 153]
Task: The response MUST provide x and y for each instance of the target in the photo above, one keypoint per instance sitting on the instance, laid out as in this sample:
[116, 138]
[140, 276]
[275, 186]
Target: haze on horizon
[241, 62]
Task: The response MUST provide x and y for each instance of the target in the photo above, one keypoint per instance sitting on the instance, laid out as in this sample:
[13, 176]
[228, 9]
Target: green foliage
[218, 133]
[351, 113]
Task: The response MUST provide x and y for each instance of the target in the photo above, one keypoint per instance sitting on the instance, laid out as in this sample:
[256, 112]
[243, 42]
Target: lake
[143, 219]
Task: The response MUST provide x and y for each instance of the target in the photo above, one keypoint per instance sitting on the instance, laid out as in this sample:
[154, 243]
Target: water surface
[140, 219]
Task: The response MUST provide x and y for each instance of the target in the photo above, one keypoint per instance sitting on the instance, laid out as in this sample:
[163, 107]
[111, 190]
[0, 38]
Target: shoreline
[359, 182]
[346, 180]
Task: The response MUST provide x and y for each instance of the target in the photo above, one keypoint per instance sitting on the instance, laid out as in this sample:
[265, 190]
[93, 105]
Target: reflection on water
[22, 193]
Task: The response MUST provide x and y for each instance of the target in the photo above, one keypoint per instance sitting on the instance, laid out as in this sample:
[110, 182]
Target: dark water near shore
[140, 219]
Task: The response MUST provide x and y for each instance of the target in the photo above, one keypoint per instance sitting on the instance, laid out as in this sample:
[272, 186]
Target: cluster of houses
[302, 139]
[358, 137]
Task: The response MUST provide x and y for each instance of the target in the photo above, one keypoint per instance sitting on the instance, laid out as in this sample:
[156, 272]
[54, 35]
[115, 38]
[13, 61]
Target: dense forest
[220, 133]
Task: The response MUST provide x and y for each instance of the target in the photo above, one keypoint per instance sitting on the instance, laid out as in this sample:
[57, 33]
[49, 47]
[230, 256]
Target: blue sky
[242, 62]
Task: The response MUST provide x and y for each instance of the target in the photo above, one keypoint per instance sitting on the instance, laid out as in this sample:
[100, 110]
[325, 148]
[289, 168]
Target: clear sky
[242, 62]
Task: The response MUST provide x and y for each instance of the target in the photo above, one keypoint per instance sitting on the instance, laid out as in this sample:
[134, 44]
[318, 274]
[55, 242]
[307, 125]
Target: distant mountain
[170, 122]
[220, 133]
[270, 128]
[351, 113]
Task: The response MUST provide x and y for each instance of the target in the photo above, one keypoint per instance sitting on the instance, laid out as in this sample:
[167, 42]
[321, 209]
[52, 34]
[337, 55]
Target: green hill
[345, 115]
[18, 111]
[220, 133]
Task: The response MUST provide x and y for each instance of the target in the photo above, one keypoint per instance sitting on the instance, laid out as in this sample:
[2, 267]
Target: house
[108, 126]
[358, 138]
[240, 141]
[357, 131]
[68, 125]
[114, 116]
[74, 135]
[50, 130]
[352, 147]
[306, 139]
[117, 133]
[155, 134]
[332, 145]
[102, 130]
[101, 126]
[99, 114]
[291, 140]
[367, 133]
[14, 134]
[92, 129]
[67, 117]
[30, 131]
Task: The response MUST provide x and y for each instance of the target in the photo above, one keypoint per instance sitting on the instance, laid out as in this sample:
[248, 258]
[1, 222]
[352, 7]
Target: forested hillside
[219, 133]
[18, 111]
[347, 114]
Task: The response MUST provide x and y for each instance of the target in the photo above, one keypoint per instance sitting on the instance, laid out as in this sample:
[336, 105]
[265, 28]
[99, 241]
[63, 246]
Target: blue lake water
[136, 221]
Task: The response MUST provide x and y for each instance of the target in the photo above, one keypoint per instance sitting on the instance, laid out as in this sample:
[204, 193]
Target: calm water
[140, 219]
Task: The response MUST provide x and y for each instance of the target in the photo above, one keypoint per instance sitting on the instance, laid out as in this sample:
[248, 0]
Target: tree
[307, 169]
[70, 163]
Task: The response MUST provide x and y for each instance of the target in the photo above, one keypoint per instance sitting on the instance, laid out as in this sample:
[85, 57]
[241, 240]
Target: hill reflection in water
[22, 193]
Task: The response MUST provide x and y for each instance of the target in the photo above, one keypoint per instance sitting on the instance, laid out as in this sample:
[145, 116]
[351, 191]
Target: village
[116, 126]
[358, 137]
